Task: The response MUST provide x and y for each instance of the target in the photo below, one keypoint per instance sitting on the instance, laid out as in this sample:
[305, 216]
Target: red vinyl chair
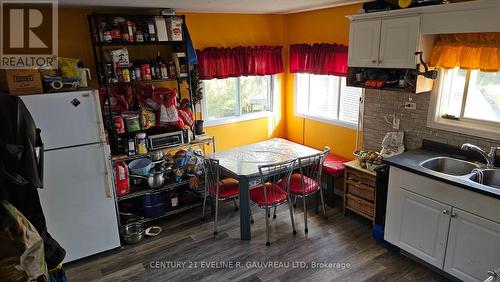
[218, 189]
[273, 190]
[308, 181]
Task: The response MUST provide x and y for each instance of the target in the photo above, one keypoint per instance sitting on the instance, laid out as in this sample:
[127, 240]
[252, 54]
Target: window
[327, 97]
[467, 99]
[237, 97]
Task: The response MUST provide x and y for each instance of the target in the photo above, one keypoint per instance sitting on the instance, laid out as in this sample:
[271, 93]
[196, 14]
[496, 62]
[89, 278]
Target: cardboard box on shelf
[21, 81]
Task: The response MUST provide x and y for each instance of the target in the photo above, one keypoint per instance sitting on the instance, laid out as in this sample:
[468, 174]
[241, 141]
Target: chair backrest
[274, 174]
[212, 174]
[311, 166]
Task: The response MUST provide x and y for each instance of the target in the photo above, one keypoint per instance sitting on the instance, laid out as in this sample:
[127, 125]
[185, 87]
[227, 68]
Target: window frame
[239, 116]
[463, 125]
[336, 122]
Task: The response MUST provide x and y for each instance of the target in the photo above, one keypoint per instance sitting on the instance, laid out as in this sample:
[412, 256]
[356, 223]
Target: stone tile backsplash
[380, 104]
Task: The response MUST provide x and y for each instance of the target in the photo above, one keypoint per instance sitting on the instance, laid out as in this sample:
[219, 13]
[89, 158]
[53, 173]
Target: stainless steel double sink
[464, 169]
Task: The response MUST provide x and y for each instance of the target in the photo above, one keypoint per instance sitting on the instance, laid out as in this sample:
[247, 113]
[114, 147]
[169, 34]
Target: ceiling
[220, 6]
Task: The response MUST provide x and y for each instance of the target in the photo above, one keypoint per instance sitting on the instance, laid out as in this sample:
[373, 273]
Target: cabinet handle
[453, 214]
[379, 61]
[374, 61]
[445, 212]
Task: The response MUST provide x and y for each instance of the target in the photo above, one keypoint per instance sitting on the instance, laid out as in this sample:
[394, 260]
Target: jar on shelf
[119, 124]
[140, 139]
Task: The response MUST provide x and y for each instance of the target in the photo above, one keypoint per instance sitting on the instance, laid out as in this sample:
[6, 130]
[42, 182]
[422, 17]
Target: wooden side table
[359, 190]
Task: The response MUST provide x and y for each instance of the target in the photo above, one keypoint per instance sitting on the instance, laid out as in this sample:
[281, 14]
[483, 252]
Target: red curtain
[239, 61]
[328, 59]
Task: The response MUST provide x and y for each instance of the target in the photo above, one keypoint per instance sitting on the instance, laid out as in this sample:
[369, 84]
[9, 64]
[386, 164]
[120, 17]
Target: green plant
[196, 89]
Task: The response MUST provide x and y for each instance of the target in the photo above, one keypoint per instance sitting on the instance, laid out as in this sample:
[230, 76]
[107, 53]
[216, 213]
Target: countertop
[355, 165]
[410, 161]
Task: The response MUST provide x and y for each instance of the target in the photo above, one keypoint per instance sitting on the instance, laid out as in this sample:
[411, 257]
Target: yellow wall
[215, 30]
[230, 30]
[320, 26]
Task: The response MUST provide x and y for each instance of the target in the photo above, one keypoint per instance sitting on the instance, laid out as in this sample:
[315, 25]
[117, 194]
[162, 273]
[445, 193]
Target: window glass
[324, 96]
[453, 92]
[480, 91]
[233, 97]
[254, 93]
[221, 98]
[302, 89]
[483, 96]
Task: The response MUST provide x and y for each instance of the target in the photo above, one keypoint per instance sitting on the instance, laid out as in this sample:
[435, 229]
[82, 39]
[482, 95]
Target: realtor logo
[28, 34]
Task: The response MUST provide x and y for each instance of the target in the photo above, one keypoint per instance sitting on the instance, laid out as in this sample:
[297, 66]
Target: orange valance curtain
[467, 51]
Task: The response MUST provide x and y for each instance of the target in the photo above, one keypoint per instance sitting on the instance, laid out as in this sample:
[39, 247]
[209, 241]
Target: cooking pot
[156, 155]
[155, 178]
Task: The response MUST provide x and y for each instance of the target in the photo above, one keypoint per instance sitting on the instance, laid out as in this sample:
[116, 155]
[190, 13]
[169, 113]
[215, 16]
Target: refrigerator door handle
[100, 122]
[107, 183]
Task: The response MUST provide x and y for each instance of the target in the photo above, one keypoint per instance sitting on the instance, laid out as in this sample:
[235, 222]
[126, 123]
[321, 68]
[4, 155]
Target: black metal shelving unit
[166, 47]
[99, 48]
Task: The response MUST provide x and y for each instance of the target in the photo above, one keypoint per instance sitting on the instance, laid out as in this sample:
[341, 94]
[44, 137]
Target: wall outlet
[395, 123]
[410, 106]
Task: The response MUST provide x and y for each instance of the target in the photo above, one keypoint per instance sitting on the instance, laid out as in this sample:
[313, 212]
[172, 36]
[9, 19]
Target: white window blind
[327, 97]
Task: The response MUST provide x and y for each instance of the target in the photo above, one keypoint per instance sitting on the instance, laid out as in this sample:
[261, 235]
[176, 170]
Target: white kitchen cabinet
[449, 227]
[364, 41]
[398, 42]
[473, 246]
[424, 227]
[385, 43]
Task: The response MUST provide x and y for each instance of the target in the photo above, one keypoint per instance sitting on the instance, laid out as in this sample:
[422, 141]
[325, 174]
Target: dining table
[243, 164]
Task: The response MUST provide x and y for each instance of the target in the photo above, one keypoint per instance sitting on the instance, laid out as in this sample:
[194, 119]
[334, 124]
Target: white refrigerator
[77, 197]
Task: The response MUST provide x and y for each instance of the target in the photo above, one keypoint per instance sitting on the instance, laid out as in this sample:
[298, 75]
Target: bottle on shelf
[130, 31]
[172, 70]
[151, 31]
[106, 32]
[162, 67]
[116, 33]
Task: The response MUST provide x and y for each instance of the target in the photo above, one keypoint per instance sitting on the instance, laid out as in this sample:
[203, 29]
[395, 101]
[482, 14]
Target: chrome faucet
[490, 157]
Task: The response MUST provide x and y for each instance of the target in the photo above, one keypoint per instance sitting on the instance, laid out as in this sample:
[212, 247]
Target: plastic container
[155, 211]
[140, 166]
[121, 179]
[132, 122]
[141, 144]
[153, 198]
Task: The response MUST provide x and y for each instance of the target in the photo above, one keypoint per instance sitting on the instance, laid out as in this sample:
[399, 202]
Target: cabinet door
[424, 227]
[364, 40]
[473, 246]
[398, 43]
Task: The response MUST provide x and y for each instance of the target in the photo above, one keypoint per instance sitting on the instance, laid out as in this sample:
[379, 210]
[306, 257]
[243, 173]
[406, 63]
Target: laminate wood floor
[187, 250]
